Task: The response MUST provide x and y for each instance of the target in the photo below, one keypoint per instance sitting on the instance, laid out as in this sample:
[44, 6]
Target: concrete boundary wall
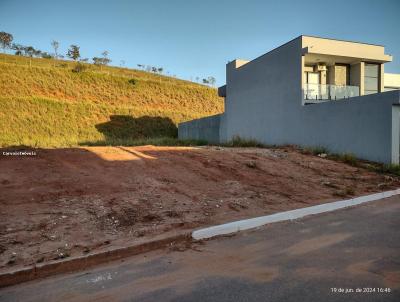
[206, 128]
[367, 126]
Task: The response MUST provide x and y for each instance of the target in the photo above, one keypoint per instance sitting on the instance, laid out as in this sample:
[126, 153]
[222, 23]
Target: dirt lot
[67, 202]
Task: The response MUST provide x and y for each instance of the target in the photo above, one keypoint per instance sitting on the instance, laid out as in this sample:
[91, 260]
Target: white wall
[392, 80]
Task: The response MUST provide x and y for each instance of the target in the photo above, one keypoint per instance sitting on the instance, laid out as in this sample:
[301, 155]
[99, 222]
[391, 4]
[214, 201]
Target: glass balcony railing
[315, 93]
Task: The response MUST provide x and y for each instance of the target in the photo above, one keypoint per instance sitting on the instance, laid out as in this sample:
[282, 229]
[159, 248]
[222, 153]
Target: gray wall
[262, 93]
[367, 126]
[202, 129]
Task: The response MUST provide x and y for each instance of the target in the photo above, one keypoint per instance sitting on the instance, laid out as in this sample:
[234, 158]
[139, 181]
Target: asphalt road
[356, 251]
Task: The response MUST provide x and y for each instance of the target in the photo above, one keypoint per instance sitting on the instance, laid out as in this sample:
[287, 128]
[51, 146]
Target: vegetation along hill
[56, 103]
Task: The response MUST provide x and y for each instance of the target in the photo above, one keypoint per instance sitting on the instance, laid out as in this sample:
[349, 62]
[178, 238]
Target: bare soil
[68, 202]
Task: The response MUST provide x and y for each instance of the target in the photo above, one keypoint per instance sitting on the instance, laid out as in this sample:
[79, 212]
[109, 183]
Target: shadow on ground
[125, 129]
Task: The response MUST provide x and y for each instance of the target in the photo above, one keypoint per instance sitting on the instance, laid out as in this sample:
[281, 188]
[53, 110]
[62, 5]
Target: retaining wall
[201, 129]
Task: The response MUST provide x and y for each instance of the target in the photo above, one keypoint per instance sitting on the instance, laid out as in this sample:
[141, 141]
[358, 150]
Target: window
[371, 78]
[313, 77]
[342, 75]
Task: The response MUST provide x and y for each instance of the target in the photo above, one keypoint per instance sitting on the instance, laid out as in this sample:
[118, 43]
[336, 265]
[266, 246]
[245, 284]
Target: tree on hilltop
[211, 80]
[5, 40]
[29, 51]
[55, 46]
[97, 60]
[106, 60]
[46, 55]
[18, 48]
[73, 52]
[37, 53]
[103, 60]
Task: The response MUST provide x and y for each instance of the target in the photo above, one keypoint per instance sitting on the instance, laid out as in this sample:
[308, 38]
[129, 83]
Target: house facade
[311, 92]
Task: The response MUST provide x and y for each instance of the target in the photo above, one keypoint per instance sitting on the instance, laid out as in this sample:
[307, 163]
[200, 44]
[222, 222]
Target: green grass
[315, 150]
[238, 141]
[347, 158]
[387, 169]
[45, 104]
[352, 160]
[156, 141]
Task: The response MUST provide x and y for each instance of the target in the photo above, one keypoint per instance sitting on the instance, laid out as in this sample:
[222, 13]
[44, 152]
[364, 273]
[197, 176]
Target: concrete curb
[86, 261]
[241, 225]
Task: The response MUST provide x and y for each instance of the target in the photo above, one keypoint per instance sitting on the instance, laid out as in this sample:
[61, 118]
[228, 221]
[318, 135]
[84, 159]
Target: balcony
[317, 93]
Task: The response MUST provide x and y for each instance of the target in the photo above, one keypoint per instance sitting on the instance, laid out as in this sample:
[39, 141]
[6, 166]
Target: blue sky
[196, 38]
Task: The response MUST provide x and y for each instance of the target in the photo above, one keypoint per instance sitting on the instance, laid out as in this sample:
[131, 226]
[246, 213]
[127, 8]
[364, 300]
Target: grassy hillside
[44, 103]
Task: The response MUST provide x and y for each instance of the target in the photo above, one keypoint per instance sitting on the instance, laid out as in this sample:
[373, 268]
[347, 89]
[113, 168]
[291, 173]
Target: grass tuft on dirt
[157, 141]
[238, 141]
[351, 160]
[387, 169]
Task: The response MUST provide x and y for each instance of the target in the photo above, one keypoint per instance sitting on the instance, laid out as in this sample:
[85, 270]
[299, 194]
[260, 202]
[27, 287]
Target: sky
[196, 38]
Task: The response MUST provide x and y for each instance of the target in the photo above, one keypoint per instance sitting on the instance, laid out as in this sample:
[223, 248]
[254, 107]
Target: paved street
[305, 260]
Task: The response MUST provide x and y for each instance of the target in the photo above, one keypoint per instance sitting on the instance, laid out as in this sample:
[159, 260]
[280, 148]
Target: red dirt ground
[68, 202]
